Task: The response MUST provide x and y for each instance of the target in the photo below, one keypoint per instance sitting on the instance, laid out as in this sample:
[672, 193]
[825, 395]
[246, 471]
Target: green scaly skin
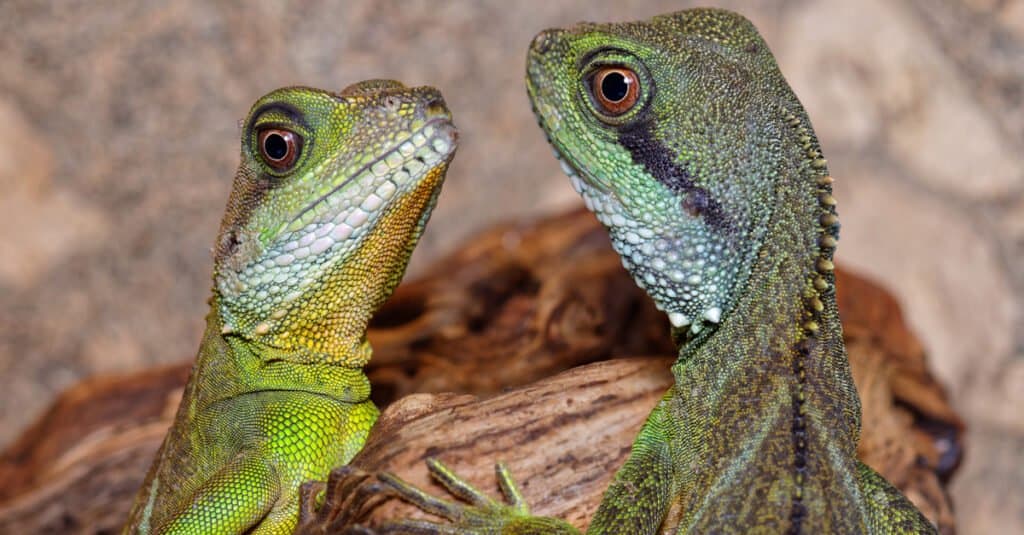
[305, 255]
[716, 196]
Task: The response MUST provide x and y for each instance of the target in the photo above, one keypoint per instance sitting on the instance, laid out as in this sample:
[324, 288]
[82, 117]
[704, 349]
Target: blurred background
[119, 142]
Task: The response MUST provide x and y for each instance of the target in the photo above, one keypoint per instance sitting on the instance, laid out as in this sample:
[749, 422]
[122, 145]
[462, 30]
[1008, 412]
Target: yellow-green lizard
[331, 196]
[685, 140]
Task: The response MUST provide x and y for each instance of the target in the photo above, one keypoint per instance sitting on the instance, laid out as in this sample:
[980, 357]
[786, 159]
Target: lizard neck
[788, 294]
[773, 376]
[785, 323]
[230, 365]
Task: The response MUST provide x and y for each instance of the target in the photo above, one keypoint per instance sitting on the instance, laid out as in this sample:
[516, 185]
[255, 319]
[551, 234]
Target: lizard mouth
[596, 193]
[345, 212]
[407, 161]
[337, 221]
[570, 170]
[549, 122]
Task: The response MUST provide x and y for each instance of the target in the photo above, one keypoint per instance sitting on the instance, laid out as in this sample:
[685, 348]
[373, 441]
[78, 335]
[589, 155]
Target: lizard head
[330, 198]
[671, 131]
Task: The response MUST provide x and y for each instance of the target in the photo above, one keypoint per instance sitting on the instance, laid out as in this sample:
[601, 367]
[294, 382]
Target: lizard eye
[615, 89]
[279, 148]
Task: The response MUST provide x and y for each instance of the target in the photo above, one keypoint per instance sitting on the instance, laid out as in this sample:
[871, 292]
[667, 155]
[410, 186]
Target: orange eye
[616, 89]
[279, 148]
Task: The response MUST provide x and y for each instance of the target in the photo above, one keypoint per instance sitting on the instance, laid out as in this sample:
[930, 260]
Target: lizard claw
[457, 487]
[479, 514]
[349, 495]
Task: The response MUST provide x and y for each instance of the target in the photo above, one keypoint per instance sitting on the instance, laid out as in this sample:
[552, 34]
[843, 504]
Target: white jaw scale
[377, 183]
[678, 319]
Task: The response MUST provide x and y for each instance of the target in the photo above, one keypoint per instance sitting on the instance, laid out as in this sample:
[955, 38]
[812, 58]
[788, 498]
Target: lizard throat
[680, 271]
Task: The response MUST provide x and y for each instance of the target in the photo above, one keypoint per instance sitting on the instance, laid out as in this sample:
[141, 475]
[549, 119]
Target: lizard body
[330, 198]
[685, 140]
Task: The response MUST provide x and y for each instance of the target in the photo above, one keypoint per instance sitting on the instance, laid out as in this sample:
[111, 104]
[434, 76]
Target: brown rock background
[119, 141]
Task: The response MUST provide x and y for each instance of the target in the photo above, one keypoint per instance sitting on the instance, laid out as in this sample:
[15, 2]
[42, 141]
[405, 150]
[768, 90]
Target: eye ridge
[616, 89]
[279, 148]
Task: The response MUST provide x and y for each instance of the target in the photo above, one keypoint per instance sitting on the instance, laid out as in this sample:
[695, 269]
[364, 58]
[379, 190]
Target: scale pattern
[306, 254]
[717, 197]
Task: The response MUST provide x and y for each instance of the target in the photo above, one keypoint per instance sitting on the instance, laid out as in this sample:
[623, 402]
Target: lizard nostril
[391, 103]
[541, 42]
[435, 106]
[228, 244]
[544, 41]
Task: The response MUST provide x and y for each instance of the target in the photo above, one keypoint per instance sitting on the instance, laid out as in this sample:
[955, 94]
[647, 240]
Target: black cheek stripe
[660, 163]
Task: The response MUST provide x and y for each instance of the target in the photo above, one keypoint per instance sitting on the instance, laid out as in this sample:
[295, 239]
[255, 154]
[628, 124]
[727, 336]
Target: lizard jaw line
[677, 319]
[577, 177]
[387, 176]
[275, 277]
[435, 129]
[712, 314]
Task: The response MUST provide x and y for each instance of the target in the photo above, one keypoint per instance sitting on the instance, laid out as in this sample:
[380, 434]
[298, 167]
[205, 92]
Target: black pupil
[275, 146]
[614, 86]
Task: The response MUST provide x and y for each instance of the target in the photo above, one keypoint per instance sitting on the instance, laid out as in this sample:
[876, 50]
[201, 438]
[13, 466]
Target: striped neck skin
[772, 378]
[702, 163]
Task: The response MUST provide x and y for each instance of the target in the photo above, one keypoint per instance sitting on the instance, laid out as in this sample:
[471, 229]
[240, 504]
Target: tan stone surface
[120, 124]
[44, 224]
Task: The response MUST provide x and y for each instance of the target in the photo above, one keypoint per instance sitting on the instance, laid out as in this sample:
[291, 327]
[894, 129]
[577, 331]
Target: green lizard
[331, 196]
[685, 140]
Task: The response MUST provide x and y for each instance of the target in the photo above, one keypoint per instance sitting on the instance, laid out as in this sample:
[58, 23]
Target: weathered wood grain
[509, 310]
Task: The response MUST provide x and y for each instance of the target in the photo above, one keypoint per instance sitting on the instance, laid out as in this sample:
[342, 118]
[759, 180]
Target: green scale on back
[331, 196]
[685, 140]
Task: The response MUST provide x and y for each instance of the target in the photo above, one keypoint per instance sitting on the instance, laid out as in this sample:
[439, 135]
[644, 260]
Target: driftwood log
[507, 321]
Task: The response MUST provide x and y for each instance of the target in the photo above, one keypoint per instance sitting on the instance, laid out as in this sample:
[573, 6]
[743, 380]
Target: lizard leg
[347, 498]
[636, 502]
[480, 515]
[232, 501]
[639, 497]
[889, 511]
